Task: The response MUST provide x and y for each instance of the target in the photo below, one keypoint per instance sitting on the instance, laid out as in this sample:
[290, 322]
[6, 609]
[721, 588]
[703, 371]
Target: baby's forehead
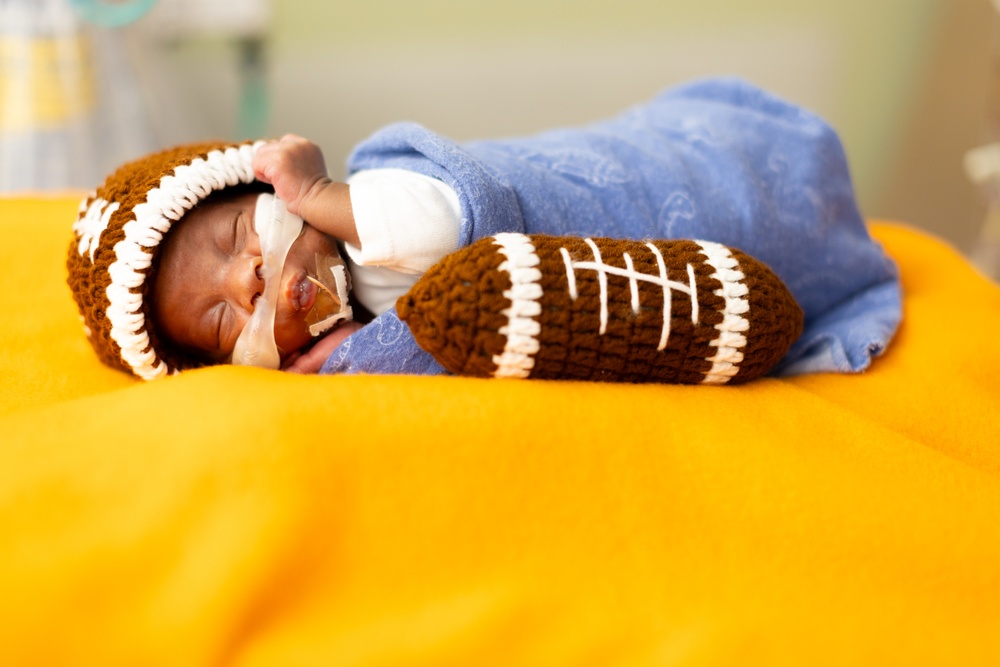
[219, 204]
[193, 236]
[212, 216]
[216, 204]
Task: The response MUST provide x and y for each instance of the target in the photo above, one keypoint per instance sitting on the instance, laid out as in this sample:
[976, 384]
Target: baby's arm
[296, 169]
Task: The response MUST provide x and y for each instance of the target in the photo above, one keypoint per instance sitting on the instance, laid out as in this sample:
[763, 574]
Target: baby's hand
[294, 167]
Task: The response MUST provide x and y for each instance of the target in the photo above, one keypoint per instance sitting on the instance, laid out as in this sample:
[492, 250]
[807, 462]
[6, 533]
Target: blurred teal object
[254, 103]
[111, 13]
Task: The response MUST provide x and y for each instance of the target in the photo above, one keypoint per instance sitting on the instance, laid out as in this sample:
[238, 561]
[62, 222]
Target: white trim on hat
[176, 194]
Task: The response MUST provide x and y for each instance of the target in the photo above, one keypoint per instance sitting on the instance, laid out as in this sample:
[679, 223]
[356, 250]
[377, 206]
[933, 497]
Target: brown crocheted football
[563, 307]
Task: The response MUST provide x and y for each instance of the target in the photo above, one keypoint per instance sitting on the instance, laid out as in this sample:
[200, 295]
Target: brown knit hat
[115, 245]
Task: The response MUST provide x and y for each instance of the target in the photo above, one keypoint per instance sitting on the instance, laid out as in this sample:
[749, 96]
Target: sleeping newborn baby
[222, 267]
[243, 279]
[174, 263]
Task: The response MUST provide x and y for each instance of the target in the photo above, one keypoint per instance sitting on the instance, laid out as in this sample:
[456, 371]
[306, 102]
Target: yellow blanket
[240, 516]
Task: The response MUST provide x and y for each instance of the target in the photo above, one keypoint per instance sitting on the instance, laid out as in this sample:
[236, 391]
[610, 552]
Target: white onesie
[406, 223]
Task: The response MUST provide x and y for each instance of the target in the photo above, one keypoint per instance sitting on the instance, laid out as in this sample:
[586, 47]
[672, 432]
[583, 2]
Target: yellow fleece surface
[236, 516]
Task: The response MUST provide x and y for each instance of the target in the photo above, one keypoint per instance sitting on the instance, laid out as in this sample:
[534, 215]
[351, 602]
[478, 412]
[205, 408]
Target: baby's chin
[310, 359]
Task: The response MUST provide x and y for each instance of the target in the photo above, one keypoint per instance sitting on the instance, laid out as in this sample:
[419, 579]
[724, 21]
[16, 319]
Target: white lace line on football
[634, 276]
[175, 194]
[522, 328]
[662, 266]
[731, 340]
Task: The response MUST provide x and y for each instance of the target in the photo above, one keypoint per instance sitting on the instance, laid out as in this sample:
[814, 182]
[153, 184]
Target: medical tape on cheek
[333, 284]
[277, 230]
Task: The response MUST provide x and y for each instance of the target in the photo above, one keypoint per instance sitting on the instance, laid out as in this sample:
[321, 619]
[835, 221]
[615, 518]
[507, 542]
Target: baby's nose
[248, 281]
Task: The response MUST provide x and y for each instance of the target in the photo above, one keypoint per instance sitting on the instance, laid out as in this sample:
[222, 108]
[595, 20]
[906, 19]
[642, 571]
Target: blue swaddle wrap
[717, 160]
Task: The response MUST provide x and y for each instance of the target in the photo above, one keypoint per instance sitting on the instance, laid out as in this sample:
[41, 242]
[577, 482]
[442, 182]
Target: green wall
[877, 43]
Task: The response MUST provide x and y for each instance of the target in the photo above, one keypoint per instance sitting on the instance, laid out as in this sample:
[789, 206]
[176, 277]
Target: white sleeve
[406, 221]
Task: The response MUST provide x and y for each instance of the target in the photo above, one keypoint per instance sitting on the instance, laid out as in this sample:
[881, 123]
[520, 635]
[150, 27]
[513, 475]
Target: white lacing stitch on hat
[91, 224]
[176, 194]
[731, 339]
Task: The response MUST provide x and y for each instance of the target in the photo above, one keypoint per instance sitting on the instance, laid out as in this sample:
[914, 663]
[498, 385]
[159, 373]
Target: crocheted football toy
[116, 240]
[602, 309]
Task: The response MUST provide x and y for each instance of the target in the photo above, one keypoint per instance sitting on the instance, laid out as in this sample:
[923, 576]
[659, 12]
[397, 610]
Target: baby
[169, 266]
[210, 266]
[170, 271]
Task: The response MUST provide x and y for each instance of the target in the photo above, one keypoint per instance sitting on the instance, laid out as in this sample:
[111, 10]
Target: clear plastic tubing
[277, 229]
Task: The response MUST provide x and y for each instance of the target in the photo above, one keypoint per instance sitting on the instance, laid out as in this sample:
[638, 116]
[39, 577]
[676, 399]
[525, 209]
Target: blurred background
[912, 85]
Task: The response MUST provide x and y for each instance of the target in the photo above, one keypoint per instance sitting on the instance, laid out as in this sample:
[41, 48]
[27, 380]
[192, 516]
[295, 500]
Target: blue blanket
[718, 160]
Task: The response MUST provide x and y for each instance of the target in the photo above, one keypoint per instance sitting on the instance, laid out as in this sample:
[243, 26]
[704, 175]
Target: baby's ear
[678, 311]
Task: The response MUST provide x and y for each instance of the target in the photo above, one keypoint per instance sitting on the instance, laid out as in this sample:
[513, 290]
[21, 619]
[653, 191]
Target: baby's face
[209, 280]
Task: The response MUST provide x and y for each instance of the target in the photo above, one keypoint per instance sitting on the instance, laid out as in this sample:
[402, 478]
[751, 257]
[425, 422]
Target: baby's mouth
[323, 297]
[303, 292]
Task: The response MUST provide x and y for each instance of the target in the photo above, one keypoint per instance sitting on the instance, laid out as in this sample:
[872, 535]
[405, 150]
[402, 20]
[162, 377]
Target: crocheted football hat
[116, 238]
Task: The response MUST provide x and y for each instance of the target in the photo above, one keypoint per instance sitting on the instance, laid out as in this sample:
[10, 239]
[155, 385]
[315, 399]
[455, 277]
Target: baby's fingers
[291, 165]
[267, 162]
